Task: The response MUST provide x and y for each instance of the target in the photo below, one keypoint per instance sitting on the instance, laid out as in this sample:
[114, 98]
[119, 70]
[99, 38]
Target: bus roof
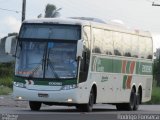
[83, 22]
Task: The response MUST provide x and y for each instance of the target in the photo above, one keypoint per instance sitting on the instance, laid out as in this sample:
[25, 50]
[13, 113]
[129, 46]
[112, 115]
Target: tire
[35, 106]
[120, 106]
[89, 106]
[129, 106]
[137, 102]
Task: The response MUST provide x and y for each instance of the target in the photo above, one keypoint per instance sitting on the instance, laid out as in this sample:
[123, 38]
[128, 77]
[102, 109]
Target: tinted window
[117, 40]
[87, 37]
[127, 45]
[42, 31]
[149, 50]
[135, 46]
[108, 43]
[142, 47]
[98, 40]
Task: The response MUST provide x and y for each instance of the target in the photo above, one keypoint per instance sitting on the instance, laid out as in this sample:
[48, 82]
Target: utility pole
[153, 4]
[23, 10]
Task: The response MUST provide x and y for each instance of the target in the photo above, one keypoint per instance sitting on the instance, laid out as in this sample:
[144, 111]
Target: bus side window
[148, 48]
[97, 40]
[135, 46]
[84, 66]
[96, 50]
[126, 45]
[142, 47]
[108, 42]
[117, 39]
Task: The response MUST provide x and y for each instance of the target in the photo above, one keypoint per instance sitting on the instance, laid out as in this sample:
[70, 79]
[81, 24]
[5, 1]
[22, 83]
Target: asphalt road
[100, 112]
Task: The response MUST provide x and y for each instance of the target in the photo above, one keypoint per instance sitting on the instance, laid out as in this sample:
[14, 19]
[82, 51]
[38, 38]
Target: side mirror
[79, 49]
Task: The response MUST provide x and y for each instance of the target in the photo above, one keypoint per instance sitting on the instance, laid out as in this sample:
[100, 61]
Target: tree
[156, 71]
[51, 11]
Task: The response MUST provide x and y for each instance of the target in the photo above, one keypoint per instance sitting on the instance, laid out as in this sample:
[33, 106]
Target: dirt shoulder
[8, 101]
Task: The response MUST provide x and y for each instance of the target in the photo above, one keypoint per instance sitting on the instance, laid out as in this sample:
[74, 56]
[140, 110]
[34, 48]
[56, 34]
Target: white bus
[81, 63]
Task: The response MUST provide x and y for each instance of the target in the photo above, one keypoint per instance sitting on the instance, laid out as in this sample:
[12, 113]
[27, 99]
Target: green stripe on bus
[124, 81]
[46, 82]
[117, 66]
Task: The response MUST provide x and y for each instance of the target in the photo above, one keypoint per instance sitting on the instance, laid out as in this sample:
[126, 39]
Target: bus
[75, 62]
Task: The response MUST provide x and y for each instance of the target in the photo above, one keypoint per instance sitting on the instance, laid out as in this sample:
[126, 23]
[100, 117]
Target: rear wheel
[131, 105]
[137, 102]
[35, 106]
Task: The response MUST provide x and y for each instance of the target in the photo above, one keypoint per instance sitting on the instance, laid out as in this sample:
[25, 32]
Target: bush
[6, 81]
[6, 74]
[155, 96]
[5, 90]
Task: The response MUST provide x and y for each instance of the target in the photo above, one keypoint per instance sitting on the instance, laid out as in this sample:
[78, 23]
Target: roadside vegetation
[155, 99]
[6, 78]
[156, 83]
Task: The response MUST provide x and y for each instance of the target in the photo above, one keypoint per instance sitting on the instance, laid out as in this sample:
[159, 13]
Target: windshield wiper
[36, 68]
[51, 64]
[41, 63]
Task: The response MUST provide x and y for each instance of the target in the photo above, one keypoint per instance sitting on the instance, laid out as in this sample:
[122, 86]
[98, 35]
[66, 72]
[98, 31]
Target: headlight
[18, 84]
[68, 87]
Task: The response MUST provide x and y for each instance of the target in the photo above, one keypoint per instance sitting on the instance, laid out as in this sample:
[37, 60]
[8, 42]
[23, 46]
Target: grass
[5, 90]
[6, 78]
[6, 81]
[155, 95]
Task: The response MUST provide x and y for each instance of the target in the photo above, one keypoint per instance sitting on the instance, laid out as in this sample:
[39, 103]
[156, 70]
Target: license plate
[43, 95]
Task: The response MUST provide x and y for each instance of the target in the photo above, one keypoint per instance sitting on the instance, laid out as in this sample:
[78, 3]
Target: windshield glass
[46, 59]
[47, 31]
[61, 60]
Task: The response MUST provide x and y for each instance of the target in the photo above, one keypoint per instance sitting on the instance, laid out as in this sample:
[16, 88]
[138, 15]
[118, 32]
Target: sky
[136, 14]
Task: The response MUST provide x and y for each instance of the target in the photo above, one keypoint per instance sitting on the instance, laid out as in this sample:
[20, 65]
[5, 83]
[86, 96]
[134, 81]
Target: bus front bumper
[72, 96]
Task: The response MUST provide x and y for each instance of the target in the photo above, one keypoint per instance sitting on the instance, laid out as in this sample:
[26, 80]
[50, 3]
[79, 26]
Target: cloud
[156, 41]
[13, 24]
[9, 24]
[2, 35]
[116, 21]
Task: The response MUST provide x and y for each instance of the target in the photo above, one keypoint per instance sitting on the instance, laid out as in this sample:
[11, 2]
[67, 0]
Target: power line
[10, 10]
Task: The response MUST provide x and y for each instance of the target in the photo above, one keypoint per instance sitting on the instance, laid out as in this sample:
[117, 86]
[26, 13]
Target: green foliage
[156, 71]
[5, 90]
[6, 69]
[6, 81]
[155, 96]
[50, 8]
[6, 74]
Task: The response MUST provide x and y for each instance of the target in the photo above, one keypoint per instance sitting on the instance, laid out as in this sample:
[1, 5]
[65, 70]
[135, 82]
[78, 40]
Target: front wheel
[35, 106]
[89, 106]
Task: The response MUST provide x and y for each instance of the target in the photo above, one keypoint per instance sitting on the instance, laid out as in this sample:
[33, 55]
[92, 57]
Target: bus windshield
[47, 31]
[46, 60]
[47, 51]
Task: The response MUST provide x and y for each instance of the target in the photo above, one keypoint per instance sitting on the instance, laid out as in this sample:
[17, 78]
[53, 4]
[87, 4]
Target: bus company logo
[29, 82]
[146, 69]
[104, 78]
[55, 83]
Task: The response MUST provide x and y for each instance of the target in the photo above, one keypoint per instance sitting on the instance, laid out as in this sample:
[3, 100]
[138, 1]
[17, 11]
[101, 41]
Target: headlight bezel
[69, 87]
[19, 84]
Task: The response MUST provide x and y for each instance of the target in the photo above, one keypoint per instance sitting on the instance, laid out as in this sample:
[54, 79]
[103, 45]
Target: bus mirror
[79, 48]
